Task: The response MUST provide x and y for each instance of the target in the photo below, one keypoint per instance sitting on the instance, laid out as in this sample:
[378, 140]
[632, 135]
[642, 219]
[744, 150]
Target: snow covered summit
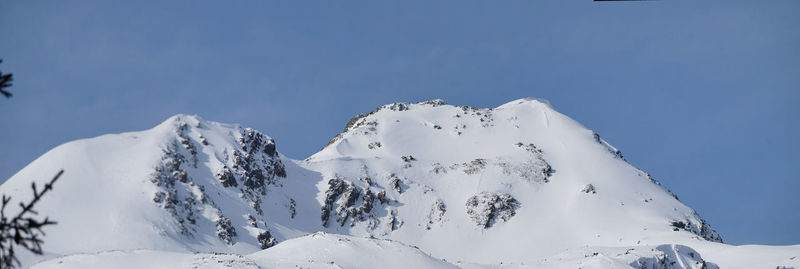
[518, 184]
[465, 182]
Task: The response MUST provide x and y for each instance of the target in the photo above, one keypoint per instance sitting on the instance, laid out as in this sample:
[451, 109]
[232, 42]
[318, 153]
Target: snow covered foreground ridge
[517, 186]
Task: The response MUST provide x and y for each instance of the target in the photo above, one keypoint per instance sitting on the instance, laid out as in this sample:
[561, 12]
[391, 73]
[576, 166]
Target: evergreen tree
[23, 229]
[5, 82]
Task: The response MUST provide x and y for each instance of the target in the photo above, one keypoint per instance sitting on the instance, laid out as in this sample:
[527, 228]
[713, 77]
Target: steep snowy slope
[516, 186]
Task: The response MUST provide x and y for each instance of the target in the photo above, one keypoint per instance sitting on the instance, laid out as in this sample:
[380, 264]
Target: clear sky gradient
[703, 94]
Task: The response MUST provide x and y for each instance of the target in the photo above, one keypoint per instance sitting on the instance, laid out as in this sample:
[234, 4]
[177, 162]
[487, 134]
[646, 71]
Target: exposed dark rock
[433, 103]
[396, 183]
[256, 166]
[226, 178]
[438, 168]
[225, 230]
[436, 214]
[176, 196]
[382, 197]
[589, 188]
[292, 208]
[398, 107]
[534, 169]
[349, 202]
[186, 141]
[474, 166]
[701, 229]
[487, 208]
[654, 181]
[374, 145]
[252, 220]
[612, 150]
[367, 180]
[266, 240]
[394, 223]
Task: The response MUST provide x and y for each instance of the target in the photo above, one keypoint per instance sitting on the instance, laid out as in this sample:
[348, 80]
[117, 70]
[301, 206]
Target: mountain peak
[527, 101]
[520, 182]
[183, 118]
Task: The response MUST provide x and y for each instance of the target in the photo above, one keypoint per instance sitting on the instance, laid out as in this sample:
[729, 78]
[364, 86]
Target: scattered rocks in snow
[535, 168]
[222, 260]
[186, 142]
[398, 107]
[487, 208]
[374, 145]
[433, 103]
[438, 168]
[177, 195]
[436, 215]
[654, 181]
[589, 188]
[474, 166]
[610, 149]
[407, 159]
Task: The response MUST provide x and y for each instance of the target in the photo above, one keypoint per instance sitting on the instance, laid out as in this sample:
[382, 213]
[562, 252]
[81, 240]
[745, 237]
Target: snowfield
[425, 185]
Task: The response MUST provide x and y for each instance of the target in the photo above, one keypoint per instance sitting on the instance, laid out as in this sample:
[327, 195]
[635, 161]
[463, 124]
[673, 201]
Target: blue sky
[703, 94]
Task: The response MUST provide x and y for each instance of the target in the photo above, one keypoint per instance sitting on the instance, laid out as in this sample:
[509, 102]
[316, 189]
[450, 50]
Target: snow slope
[185, 185]
[515, 186]
[569, 187]
[318, 250]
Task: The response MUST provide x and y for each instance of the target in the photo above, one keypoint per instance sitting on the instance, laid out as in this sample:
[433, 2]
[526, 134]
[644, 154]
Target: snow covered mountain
[425, 184]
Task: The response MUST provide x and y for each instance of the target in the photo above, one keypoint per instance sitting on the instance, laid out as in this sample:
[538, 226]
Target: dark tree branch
[5, 82]
[23, 230]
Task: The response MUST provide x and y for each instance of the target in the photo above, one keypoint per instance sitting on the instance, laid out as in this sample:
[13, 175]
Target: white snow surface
[408, 185]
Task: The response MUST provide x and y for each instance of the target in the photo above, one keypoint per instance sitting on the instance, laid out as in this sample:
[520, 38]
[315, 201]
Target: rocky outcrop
[350, 203]
[487, 208]
[701, 228]
[176, 193]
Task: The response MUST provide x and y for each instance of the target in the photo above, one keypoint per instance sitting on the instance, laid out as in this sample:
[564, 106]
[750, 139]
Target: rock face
[488, 208]
[250, 167]
[459, 182]
[348, 202]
